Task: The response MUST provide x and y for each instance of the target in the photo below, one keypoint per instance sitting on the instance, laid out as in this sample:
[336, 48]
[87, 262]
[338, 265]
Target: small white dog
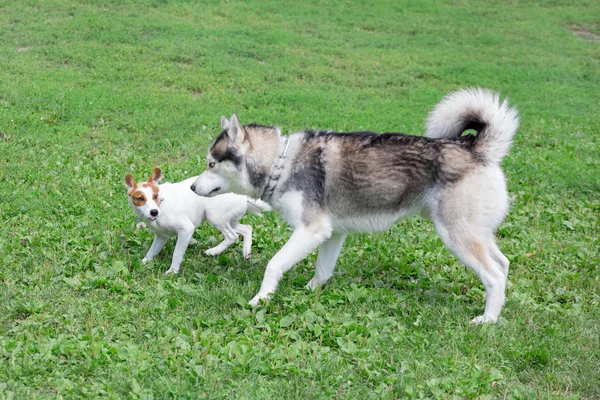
[172, 209]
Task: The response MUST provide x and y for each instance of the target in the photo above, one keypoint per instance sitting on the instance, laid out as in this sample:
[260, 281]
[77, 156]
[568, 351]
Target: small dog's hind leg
[229, 237]
[329, 252]
[246, 232]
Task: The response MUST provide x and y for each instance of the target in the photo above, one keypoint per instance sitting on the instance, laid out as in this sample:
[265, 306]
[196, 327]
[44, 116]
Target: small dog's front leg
[183, 240]
[157, 245]
[302, 242]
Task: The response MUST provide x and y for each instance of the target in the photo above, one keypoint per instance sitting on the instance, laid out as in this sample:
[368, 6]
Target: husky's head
[239, 160]
[143, 197]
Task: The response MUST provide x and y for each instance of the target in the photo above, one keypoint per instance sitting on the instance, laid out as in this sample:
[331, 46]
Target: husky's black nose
[154, 212]
[193, 187]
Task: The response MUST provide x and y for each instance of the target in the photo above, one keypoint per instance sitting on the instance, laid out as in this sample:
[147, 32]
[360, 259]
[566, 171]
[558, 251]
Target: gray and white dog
[326, 185]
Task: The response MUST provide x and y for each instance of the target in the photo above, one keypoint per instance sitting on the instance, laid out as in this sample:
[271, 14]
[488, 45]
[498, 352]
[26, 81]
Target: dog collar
[269, 188]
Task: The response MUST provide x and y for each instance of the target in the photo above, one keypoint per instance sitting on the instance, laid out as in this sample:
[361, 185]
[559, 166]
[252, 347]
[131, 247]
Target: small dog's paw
[483, 319]
[256, 299]
[212, 252]
[146, 260]
[172, 270]
[248, 255]
[314, 283]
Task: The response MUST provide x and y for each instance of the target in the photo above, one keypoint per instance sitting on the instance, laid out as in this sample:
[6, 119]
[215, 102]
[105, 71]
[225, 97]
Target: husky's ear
[130, 183]
[224, 123]
[156, 175]
[236, 133]
[277, 130]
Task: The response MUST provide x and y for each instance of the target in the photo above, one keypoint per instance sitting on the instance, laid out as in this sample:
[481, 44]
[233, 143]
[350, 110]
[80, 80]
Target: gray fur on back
[351, 174]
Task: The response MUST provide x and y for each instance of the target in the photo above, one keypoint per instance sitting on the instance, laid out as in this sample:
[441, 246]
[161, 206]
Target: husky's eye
[211, 165]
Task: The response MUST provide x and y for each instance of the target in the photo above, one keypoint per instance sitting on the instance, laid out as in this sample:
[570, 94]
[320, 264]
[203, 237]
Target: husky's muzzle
[201, 192]
[208, 184]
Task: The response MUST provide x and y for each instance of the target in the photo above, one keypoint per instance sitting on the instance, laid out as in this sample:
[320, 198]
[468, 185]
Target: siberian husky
[170, 209]
[326, 185]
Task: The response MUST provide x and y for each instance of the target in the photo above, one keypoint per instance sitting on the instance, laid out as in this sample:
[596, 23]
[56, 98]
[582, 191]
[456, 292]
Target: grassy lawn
[91, 91]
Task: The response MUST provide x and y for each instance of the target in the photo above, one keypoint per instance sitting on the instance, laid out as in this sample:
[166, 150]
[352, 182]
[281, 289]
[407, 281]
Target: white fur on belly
[367, 223]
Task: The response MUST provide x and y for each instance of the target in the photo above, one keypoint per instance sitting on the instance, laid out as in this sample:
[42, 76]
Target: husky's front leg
[329, 252]
[303, 241]
[183, 240]
[157, 245]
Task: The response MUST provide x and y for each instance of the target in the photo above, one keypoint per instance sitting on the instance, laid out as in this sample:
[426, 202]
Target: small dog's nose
[154, 212]
[193, 187]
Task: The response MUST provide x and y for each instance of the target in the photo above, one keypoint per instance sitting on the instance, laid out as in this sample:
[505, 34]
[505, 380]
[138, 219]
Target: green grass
[91, 91]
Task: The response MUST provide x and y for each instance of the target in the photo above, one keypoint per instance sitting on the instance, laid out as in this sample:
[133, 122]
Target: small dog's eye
[211, 165]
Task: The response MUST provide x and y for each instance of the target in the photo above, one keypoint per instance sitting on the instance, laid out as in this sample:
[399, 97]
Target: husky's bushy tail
[256, 206]
[481, 110]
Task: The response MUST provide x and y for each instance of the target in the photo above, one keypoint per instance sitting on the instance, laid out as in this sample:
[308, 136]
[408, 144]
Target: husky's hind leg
[329, 252]
[498, 256]
[475, 253]
[466, 214]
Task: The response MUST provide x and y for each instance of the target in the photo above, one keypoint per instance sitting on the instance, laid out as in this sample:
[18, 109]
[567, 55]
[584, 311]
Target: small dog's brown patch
[138, 198]
[154, 189]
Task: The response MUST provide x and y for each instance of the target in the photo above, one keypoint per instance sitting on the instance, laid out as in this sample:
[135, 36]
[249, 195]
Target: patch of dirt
[585, 33]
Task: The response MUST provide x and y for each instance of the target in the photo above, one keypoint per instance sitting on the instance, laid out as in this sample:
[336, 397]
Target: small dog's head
[143, 197]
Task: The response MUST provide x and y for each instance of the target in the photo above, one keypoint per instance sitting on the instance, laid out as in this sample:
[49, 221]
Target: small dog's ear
[130, 183]
[156, 175]
[224, 123]
[235, 131]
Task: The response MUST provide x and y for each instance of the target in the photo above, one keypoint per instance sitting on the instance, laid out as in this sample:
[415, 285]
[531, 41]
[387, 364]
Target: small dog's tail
[479, 109]
[256, 206]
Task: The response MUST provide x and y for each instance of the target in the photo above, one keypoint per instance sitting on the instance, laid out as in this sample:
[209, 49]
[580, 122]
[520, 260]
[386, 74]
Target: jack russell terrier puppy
[172, 209]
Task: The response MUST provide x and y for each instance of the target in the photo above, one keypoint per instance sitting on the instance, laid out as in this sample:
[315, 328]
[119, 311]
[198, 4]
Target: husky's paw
[172, 270]
[483, 319]
[256, 299]
[146, 260]
[314, 284]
